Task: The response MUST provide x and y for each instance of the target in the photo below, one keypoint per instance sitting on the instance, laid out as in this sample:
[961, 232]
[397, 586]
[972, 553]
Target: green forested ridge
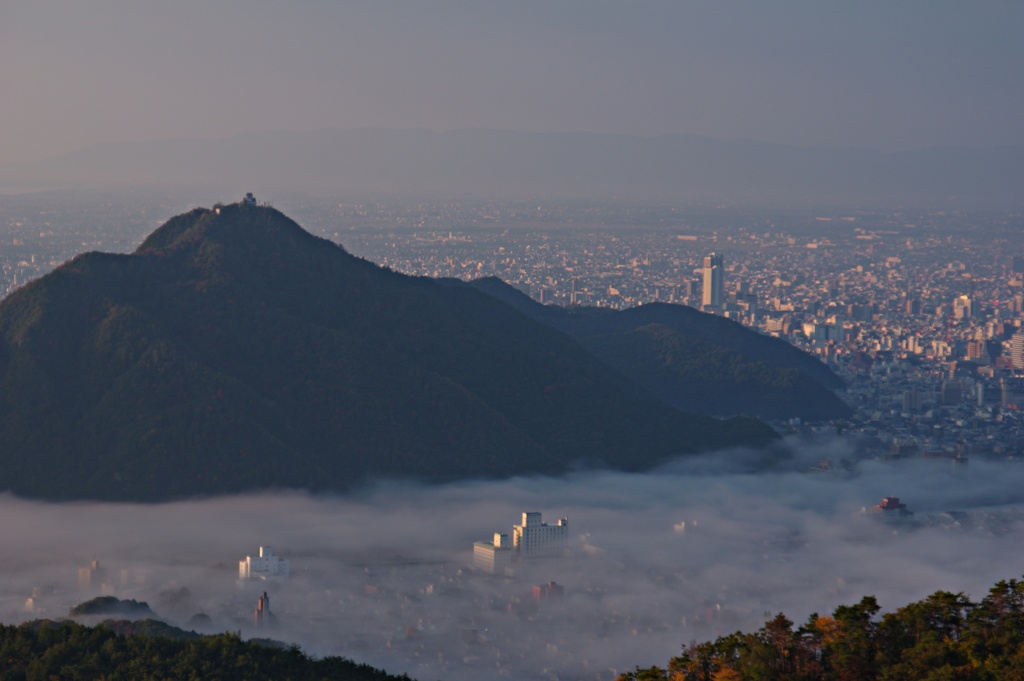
[111, 605]
[694, 361]
[944, 637]
[698, 376]
[234, 351]
[47, 650]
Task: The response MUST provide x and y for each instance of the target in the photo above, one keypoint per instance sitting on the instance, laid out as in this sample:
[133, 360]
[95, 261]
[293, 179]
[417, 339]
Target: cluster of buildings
[892, 511]
[40, 231]
[920, 313]
[531, 539]
[263, 566]
[96, 579]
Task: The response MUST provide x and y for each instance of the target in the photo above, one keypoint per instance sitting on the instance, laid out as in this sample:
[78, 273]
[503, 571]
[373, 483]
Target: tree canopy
[45, 650]
[944, 637]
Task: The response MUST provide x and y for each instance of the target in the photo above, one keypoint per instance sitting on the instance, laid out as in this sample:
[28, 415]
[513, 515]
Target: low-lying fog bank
[696, 549]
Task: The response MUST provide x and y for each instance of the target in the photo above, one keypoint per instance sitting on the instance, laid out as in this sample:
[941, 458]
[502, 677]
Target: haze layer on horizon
[870, 74]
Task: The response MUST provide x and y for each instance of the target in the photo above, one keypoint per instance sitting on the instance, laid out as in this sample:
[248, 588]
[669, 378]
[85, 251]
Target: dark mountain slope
[149, 649]
[234, 351]
[694, 361]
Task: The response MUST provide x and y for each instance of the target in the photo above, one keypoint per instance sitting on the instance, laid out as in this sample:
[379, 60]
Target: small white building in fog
[264, 566]
[493, 557]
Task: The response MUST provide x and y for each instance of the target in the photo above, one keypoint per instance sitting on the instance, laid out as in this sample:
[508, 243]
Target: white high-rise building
[714, 281]
[533, 539]
[1017, 351]
[962, 307]
[495, 556]
[263, 566]
[536, 538]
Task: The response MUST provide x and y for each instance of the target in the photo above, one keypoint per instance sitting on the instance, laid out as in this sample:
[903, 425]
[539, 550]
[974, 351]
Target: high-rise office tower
[714, 275]
[1017, 350]
[962, 307]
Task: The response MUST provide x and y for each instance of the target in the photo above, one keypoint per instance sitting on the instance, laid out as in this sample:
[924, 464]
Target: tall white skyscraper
[1017, 351]
[714, 275]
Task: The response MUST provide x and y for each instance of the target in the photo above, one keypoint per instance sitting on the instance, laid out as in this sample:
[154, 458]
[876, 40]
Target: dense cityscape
[917, 311]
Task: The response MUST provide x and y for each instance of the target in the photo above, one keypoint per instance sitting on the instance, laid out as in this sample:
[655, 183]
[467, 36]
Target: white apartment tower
[714, 281]
[532, 539]
[536, 538]
[263, 566]
[1017, 351]
[493, 557]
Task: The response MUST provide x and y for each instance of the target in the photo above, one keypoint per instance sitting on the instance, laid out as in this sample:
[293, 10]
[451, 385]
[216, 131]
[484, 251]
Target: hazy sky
[874, 73]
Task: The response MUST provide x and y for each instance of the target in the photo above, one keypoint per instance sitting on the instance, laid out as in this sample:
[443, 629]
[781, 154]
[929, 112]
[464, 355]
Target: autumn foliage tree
[944, 637]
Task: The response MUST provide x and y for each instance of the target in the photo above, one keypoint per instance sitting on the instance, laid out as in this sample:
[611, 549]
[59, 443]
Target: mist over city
[903, 497]
[698, 548]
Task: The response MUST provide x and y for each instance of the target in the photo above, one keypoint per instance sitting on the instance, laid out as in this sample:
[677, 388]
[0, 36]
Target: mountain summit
[234, 351]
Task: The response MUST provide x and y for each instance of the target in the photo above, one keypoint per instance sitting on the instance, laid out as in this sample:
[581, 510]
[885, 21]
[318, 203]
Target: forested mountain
[235, 351]
[944, 636]
[694, 361]
[110, 606]
[150, 650]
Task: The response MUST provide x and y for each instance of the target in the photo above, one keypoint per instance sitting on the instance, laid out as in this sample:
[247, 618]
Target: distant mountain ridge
[495, 163]
[694, 361]
[235, 351]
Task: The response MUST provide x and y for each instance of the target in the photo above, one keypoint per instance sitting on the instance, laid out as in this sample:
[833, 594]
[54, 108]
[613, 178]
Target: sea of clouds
[698, 548]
